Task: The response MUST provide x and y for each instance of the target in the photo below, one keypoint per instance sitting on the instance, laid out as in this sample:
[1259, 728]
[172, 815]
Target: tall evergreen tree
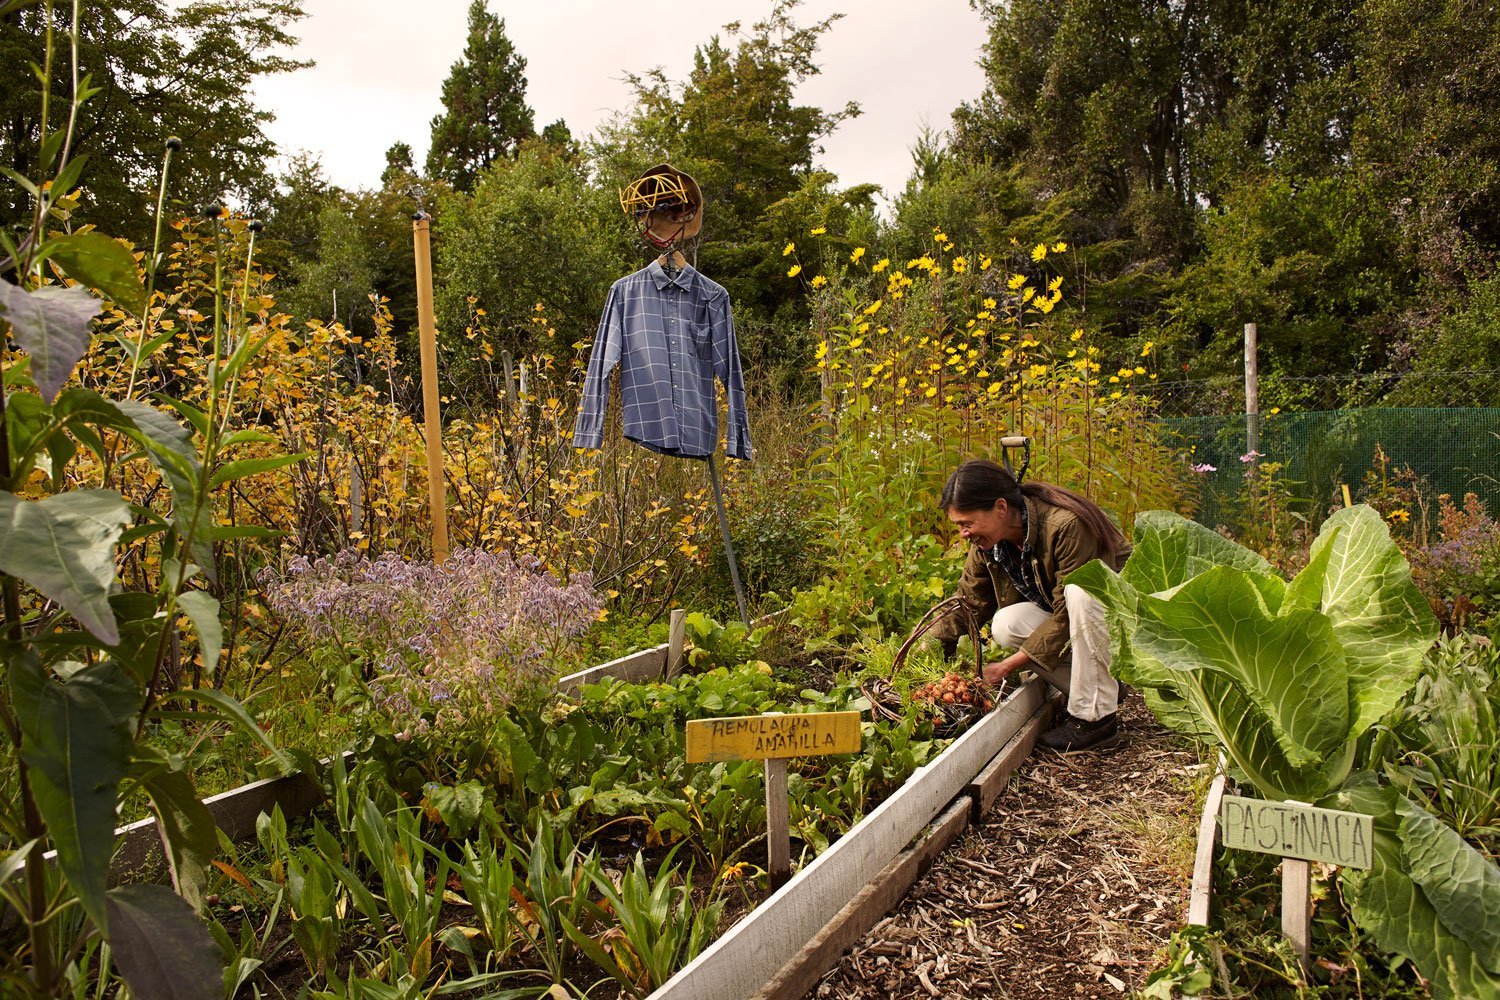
[485, 113]
[399, 164]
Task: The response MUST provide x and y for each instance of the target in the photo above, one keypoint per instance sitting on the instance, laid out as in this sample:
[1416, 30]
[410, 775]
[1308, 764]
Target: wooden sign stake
[778, 824]
[1300, 833]
[676, 642]
[1296, 907]
[433, 429]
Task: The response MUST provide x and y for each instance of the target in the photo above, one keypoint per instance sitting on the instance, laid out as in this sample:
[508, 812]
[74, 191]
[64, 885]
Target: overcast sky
[381, 65]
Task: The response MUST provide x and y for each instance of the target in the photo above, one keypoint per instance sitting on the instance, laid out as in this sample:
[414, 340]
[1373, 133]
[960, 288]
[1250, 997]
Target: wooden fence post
[1252, 390]
[676, 641]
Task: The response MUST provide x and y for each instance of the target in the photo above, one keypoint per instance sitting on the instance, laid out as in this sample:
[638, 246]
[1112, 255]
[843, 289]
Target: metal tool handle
[1016, 441]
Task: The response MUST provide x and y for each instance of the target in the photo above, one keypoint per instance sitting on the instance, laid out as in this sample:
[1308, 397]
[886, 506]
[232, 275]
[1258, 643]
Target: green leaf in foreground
[1170, 550]
[162, 949]
[76, 741]
[1357, 576]
[203, 610]
[52, 325]
[64, 546]
[1287, 676]
[1396, 912]
[1463, 887]
[189, 835]
[1423, 893]
[169, 445]
[1266, 656]
[98, 261]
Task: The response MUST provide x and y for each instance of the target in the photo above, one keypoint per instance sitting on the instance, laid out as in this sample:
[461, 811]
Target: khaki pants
[1092, 693]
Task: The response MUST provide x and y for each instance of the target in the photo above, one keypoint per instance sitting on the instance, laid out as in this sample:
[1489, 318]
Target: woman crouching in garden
[1025, 538]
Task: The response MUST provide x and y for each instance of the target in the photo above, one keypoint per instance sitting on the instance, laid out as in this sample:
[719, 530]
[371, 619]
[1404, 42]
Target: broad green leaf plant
[1287, 677]
[83, 662]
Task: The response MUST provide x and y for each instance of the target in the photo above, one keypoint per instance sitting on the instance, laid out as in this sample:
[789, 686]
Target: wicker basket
[886, 704]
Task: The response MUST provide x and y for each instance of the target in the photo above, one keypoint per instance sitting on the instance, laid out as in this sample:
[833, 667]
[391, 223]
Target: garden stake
[676, 636]
[778, 825]
[433, 431]
[1296, 907]
[734, 569]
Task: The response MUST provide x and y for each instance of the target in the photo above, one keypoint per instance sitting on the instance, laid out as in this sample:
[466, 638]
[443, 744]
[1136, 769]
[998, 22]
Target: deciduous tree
[161, 69]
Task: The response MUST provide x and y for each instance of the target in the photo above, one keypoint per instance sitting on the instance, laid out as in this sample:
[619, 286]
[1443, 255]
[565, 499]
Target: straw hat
[666, 203]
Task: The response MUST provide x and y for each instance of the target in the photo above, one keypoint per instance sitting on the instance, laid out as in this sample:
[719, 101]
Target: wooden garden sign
[773, 738]
[1299, 833]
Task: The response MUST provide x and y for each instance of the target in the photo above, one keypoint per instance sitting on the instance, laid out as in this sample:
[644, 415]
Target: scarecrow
[670, 330]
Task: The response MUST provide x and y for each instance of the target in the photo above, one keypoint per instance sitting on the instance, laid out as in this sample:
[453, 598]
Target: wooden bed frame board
[749, 954]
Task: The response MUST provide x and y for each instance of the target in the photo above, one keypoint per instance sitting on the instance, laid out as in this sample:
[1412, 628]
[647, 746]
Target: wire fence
[1474, 388]
[1362, 441]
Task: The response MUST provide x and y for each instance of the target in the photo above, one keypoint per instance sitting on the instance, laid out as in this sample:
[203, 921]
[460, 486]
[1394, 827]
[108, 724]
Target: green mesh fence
[1453, 451]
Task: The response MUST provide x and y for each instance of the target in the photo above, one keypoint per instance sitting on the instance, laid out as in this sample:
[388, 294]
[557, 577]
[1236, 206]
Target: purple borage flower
[460, 637]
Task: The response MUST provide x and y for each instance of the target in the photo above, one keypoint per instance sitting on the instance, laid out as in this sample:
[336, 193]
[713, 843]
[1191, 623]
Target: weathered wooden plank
[138, 851]
[867, 907]
[647, 665]
[745, 958]
[1203, 860]
[989, 783]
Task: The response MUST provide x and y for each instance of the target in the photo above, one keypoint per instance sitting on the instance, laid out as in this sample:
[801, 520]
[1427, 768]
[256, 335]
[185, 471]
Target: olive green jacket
[1060, 543]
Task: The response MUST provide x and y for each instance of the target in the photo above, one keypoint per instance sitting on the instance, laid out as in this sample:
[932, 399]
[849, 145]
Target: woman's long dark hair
[978, 484]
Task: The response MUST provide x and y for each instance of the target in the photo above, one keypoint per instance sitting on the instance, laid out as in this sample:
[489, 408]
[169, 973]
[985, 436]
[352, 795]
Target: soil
[817, 670]
[1068, 888]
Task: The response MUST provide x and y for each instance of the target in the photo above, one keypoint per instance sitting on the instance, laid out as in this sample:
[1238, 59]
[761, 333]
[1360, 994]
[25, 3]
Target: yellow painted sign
[1297, 831]
[749, 737]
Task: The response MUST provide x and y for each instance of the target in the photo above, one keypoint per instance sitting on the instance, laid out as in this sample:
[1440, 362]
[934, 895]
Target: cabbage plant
[1286, 676]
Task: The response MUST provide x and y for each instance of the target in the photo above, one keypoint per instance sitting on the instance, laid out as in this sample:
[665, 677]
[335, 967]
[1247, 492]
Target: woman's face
[983, 527]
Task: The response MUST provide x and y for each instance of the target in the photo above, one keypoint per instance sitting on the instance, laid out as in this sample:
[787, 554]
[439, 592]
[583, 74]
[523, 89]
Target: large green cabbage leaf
[1358, 578]
[1285, 676]
[1429, 896]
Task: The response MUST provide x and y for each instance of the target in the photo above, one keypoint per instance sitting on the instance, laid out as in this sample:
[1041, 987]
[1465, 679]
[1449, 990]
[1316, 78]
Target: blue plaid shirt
[671, 334]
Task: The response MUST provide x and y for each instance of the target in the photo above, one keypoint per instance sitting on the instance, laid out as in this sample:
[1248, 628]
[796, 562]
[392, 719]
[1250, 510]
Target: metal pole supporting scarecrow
[734, 568]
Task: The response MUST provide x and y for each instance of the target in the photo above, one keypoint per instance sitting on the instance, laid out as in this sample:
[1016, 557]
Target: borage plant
[446, 644]
[1288, 676]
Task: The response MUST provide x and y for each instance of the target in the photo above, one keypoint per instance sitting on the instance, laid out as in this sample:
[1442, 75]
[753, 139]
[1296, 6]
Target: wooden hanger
[677, 263]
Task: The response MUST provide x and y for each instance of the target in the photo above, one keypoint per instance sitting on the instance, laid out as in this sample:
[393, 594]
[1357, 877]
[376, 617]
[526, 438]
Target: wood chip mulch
[1067, 888]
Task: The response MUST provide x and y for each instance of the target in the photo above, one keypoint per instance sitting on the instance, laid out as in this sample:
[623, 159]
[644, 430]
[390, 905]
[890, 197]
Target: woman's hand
[996, 672]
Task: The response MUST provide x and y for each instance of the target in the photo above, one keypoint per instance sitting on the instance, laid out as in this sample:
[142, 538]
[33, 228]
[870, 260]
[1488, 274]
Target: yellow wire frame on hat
[652, 191]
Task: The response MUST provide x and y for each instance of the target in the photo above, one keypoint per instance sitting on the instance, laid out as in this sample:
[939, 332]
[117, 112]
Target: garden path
[1067, 888]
